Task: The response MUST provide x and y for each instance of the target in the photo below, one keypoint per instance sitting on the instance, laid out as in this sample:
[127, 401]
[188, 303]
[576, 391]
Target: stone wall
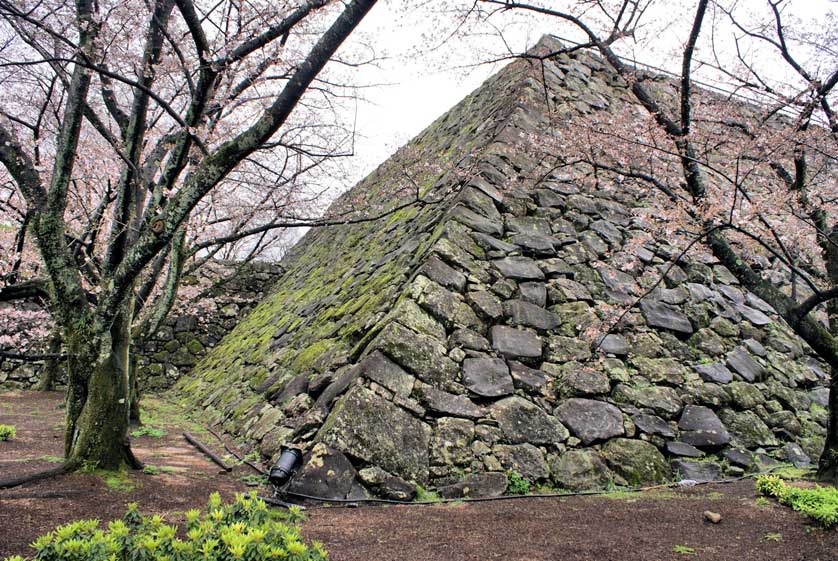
[195, 327]
[192, 328]
[451, 347]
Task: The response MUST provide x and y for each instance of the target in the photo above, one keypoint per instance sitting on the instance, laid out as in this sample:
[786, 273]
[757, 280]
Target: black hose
[681, 483]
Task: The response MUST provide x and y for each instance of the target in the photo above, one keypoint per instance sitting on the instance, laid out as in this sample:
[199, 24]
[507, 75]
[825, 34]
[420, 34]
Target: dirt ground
[653, 526]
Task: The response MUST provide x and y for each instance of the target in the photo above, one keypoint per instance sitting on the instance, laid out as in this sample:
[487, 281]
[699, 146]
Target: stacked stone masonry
[187, 334]
[445, 347]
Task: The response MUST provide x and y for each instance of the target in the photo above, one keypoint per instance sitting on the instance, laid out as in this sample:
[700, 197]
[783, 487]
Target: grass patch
[159, 412]
[52, 459]
[150, 469]
[114, 480]
[762, 501]
[254, 480]
[791, 472]
[425, 496]
[624, 495]
[820, 503]
[7, 432]
[119, 481]
[148, 430]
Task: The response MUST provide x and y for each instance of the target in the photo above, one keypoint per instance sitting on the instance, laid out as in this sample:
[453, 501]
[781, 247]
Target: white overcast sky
[423, 83]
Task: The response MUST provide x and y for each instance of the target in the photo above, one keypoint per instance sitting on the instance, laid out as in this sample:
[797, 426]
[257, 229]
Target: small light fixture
[286, 466]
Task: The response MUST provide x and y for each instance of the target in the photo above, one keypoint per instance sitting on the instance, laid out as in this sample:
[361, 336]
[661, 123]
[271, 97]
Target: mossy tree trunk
[98, 397]
[828, 464]
[134, 416]
[52, 365]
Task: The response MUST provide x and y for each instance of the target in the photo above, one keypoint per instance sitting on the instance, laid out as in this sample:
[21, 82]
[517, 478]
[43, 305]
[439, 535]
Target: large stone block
[516, 343]
[487, 377]
[445, 403]
[384, 371]
[437, 270]
[747, 429]
[564, 349]
[519, 268]
[325, 473]
[665, 316]
[662, 400]
[636, 461]
[489, 484]
[590, 420]
[701, 427]
[424, 356]
[371, 428]
[451, 440]
[580, 470]
[744, 365]
[522, 421]
[519, 312]
[525, 459]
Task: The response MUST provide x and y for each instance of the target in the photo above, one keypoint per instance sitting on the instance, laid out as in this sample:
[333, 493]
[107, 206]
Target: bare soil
[652, 526]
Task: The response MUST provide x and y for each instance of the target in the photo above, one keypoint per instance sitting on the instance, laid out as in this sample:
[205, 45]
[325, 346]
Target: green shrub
[241, 531]
[426, 496]
[820, 503]
[7, 432]
[517, 484]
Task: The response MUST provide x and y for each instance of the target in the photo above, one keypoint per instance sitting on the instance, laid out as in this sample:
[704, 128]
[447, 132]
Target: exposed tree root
[130, 459]
[45, 494]
[235, 454]
[17, 481]
[209, 453]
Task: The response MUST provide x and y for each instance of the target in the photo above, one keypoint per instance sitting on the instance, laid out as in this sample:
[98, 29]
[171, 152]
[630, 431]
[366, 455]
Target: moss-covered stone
[636, 461]
[420, 354]
[657, 370]
[747, 429]
[366, 426]
[745, 395]
[580, 470]
[661, 399]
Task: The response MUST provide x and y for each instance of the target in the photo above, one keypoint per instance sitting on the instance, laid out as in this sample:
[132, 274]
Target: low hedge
[244, 530]
[819, 503]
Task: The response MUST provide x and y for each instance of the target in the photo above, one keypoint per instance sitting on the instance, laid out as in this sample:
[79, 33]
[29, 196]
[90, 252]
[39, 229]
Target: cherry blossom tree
[754, 170]
[140, 140]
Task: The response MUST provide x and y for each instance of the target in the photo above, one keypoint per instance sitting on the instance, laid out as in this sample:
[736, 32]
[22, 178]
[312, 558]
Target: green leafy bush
[241, 531]
[7, 432]
[517, 484]
[426, 496]
[820, 503]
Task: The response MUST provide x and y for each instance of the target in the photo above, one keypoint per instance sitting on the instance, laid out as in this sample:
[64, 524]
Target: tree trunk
[98, 397]
[828, 464]
[49, 374]
[134, 416]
